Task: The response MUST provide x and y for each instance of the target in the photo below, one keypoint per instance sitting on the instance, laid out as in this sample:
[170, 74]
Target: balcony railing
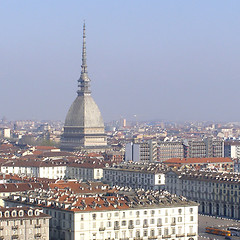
[180, 235]
[191, 234]
[152, 237]
[15, 236]
[14, 227]
[145, 225]
[130, 226]
[166, 236]
[102, 229]
[37, 225]
[116, 227]
[37, 235]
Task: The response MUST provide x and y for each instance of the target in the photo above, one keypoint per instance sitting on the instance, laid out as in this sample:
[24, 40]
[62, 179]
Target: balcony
[15, 236]
[191, 234]
[1, 228]
[130, 226]
[145, 225]
[166, 236]
[159, 225]
[152, 237]
[14, 227]
[102, 229]
[37, 225]
[116, 227]
[180, 235]
[138, 238]
[173, 224]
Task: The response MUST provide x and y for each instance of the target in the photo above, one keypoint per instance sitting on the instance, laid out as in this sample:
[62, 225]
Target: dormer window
[21, 213]
[6, 214]
[30, 212]
[37, 213]
[14, 213]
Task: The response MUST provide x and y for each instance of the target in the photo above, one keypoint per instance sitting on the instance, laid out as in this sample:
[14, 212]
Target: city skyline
[174, 61]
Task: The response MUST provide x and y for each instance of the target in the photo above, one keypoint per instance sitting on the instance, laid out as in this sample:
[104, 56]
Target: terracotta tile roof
[44, 148]
[197, 160]
[22, 187]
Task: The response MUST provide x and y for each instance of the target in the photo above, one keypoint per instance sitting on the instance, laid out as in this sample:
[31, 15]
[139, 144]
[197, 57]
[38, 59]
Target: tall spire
[84, 79]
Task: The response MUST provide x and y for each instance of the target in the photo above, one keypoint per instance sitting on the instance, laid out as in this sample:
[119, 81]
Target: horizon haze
[175, 61]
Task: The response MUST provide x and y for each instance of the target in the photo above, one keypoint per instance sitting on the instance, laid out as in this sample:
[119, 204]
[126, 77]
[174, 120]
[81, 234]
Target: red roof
[198, 160]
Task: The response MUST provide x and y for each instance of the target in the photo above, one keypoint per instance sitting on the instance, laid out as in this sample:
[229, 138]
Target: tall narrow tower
[84, 127]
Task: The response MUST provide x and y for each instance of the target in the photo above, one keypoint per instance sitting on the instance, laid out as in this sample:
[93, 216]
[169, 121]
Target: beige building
[135, 175]
[116, 214]
[217, 193]
[168, 149]
[23, 223]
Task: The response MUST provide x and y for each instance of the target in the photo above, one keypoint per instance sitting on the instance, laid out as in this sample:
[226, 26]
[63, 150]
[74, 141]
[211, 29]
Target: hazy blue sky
[174, 60]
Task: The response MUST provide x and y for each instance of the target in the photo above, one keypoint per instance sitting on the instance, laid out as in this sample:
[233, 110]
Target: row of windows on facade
[202, 183]
[136, 174]
[21, 222]
[138, 213]
[144, 222]
[166, 232]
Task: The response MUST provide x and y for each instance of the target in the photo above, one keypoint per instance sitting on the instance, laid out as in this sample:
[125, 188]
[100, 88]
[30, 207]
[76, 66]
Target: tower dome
[84, 126]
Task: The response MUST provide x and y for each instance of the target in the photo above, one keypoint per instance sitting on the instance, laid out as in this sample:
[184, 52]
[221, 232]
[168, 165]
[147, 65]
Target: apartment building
[206, 147]
[129, 214]
[217, 193]
[220, 164]
[232, 149]
[169, 149]
[23, 223]
[146, 176]
[141, 152]
[84, 169]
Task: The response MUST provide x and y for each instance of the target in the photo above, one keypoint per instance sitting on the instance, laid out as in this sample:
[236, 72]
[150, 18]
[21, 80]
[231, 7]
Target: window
[94, 216]
[145, 212]
[191, 210]
[137, 222]
[191, 218]
[145, 233]
[124, 223]
[179, 219]
[166, 231]
[159, 222]
[152, 221]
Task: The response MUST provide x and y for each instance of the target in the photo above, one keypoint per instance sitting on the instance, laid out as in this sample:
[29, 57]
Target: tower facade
[84, 126]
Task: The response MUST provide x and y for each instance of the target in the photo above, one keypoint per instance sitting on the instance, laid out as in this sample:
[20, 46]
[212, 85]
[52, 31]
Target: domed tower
[84, 126]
